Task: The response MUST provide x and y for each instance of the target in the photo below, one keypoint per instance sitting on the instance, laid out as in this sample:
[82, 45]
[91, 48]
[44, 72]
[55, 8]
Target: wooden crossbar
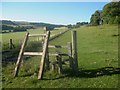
[33, 53]
[36, 35]
[61, 54]
[57, 46]
[40, 54]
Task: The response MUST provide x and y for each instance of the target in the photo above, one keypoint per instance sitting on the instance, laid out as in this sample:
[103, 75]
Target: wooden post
[20, 55]
[42, 64]
[10, 44]
[59, 59]
[74, 50]
[53, 67]
[70, 55]
[47, 63]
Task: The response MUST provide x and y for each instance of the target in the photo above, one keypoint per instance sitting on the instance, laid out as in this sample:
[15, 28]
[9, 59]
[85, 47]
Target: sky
[50, 12]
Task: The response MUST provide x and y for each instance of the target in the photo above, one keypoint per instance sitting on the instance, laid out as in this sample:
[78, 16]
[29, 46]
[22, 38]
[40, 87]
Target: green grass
[97, 49]
[18, 37]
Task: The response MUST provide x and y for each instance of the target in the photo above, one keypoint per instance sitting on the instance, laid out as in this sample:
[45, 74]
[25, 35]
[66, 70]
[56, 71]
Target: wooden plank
[42, 64]
[70, 55]
[40, 53]
[74, 50]
[62, 54]
[20, 55]
[36, 35]
[33, 53]
[56, 46]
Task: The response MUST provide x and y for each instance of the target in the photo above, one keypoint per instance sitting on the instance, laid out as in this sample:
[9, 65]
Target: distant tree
[111, 13]
[69, 26]
[19, 29]
[6, 27]
[96, 18]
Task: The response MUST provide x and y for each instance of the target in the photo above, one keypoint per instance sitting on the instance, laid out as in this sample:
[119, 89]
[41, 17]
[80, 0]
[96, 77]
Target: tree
[96, 18]
[111, 13]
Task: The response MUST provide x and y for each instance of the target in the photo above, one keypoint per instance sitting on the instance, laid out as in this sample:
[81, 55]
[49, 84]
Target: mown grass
[97, 48]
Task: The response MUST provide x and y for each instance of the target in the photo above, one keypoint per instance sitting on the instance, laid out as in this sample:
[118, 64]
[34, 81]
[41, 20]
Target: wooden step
[36, 35]
[33, 53]
[57, 46]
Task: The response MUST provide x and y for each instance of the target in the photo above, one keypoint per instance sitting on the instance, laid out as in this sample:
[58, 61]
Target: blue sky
[50, 12]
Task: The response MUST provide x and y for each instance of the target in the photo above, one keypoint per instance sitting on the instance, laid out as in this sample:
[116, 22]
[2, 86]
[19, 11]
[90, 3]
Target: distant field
[19, 36]
[97, 48]
[16, 36]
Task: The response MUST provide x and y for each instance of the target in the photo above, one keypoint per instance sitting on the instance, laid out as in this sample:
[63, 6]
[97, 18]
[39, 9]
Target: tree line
[110, 14]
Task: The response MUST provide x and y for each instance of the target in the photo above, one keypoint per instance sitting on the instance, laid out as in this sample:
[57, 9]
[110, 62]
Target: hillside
[97, 61]
[22, 23]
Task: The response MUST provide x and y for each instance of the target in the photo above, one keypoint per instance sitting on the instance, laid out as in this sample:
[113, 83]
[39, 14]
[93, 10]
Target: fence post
[74, 50]
[47, 63]
[59, 59]
[70, 54]
[11, 45]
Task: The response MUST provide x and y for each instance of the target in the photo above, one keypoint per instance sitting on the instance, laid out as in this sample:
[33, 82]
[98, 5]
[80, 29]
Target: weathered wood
[33, 53]
[20, 55]
[40, 53]
[36, 35]
[42, 64]
[59, 59]
[53, 67]
[74, 50]
[62, 54]
[11, 45]
[56, 46]
[47, 63]
[70, 55]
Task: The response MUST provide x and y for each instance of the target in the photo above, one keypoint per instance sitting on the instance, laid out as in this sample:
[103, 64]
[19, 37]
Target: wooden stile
[45, 49]
[20, 55]
[45, 63]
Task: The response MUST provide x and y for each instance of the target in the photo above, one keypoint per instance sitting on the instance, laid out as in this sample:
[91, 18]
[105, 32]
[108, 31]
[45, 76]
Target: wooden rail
[20, 55]
[57, 46]
[36, 35]
[45, 48]
[33, 53]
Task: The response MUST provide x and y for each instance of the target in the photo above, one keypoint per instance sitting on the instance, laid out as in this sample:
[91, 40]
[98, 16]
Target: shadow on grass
[95, 72]
[105, 71]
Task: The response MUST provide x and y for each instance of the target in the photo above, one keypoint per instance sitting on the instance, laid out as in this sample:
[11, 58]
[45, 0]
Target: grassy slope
[97, 49]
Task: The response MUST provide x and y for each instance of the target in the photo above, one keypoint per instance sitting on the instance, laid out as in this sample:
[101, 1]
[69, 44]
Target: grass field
[18, 37]
[97, 48]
